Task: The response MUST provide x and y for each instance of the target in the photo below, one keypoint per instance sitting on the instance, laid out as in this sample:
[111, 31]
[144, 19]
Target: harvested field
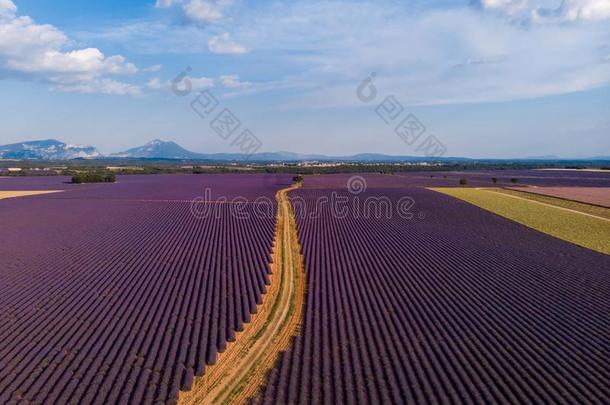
[126, 297]
[589, 195]
[595, 210]
[573, 226]
[456, 306]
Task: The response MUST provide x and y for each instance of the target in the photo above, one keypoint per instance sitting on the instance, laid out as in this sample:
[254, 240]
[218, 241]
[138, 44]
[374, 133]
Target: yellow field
[575, 226]
[14, 194]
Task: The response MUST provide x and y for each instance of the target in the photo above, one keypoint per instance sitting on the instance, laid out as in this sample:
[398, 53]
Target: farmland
[117, 292]
[595, 210]
[590, 195]
[460, 306]
[240, 371]
[205, 289]
[578, 227]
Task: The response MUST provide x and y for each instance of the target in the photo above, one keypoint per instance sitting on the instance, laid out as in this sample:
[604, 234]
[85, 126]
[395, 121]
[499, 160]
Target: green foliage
[514, 180]
[463, 182]
[93, 177]
[298, 178]
[494, 179]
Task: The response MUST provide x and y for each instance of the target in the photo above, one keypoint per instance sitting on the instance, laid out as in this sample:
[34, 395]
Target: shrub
[92, 177]
[298, 178]
[494, 179]
[463, 182]
[514, 180]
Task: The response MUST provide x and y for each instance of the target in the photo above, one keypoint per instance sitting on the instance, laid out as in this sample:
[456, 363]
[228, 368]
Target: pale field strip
[241, 370]
[16, 194]
[576, 170]
[599, 196]
[545, 204]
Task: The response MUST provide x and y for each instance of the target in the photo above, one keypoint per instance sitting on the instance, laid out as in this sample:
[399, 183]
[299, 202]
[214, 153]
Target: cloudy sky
[488, 78]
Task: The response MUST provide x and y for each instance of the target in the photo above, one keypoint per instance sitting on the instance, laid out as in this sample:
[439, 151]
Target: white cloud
[196, 83]
[415, 55]
[89, 60]
[233, 82]
[586, 9]
[551, 11]
[153, 68]
[165, 3]
[201, 10]
[36, 51]
[223, 44]
[204, 11]
[156, 84]
[200, 83]
[103, 86]
[316, 52]
[507, 6]
[7, 8]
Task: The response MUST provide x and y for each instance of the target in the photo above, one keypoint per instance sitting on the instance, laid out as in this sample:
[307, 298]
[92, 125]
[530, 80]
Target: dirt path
[14, 194]
[241, 370]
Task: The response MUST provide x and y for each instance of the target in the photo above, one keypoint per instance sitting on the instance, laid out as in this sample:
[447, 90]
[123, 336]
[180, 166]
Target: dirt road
[15, 194]
[241, 370]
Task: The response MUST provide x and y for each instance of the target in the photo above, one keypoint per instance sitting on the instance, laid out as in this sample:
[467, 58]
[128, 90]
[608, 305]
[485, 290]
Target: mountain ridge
[52, 149]
[48, 149]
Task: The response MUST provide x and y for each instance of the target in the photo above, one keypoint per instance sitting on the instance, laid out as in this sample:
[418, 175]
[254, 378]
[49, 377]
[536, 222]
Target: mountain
[52, 149]
[159, 149]
[49, 149]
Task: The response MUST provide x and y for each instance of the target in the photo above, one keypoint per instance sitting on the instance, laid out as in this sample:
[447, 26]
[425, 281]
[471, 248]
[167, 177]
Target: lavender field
[453, 305]
[124, 293]
[541, 178]
[118, 293]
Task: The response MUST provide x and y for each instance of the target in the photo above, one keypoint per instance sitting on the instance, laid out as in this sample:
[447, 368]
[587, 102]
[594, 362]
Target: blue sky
[489, 78]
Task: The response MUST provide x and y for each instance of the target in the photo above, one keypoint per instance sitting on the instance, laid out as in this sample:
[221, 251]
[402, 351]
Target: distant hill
[52, 149]
[158, 149]
[49, 149]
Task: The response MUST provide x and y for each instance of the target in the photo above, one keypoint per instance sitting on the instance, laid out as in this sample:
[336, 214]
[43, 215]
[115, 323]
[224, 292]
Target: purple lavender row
[462, 306]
